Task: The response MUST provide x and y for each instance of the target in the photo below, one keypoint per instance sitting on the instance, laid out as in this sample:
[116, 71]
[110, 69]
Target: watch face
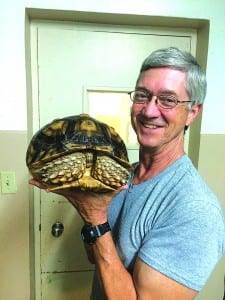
[88, 234]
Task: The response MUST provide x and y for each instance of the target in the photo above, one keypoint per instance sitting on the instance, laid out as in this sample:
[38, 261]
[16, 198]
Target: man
[167, 228]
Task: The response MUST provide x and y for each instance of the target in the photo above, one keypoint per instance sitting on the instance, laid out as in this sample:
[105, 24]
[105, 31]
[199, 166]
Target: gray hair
[178, 59]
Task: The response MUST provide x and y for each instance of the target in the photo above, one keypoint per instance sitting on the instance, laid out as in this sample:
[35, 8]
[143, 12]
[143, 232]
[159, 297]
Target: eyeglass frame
[150, 95]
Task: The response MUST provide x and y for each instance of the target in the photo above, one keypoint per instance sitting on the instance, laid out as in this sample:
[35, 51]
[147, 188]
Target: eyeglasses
[165, 101]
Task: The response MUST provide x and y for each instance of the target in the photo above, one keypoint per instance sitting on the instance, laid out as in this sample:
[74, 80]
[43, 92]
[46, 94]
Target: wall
[14, 212]
[14, 220]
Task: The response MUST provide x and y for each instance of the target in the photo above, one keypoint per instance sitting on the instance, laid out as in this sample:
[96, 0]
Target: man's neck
[152, 163]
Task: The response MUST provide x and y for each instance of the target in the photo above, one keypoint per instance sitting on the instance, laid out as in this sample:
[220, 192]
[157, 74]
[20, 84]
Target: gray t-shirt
[173, 222]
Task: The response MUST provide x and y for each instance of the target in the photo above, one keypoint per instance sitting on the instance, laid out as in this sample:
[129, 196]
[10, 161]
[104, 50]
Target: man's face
[156, 127]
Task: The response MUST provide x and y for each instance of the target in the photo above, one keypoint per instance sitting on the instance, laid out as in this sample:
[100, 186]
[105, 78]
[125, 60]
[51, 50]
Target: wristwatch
[90, 233]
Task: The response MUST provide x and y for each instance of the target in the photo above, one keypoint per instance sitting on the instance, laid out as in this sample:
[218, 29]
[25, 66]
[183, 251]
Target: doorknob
[57, 229]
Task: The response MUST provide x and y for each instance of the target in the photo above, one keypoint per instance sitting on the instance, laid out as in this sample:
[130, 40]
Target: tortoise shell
[78, 152]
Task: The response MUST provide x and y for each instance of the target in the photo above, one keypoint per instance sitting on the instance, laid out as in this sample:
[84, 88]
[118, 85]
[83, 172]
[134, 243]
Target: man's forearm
[116, 281]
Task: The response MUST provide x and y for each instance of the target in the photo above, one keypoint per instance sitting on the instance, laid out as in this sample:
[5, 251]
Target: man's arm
[151, 284]
[116, 281]
[146, 283]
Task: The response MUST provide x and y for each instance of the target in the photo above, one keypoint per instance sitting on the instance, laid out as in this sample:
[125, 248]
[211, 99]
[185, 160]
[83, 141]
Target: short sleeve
[185, 243]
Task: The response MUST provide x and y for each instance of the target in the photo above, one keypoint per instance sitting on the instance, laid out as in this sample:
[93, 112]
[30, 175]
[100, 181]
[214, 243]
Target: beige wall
[14, 209]
[212, 163]
[14, 220]
[211, 166]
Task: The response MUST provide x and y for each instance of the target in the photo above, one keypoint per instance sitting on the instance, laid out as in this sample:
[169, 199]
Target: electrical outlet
[8, 182]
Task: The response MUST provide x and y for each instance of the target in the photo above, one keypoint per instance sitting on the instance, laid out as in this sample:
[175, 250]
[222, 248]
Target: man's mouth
[150, 126]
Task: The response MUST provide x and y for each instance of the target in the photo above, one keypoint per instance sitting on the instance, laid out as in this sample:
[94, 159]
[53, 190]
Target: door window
[113, 108]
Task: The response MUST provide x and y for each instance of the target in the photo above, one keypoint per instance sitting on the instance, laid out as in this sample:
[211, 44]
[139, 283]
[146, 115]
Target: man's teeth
[150, 126]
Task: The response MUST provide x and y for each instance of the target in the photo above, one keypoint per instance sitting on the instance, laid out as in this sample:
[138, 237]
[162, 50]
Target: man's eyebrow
[166, 91]
[140, 88]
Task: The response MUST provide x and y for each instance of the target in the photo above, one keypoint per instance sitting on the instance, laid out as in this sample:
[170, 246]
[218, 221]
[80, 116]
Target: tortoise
[78, 152]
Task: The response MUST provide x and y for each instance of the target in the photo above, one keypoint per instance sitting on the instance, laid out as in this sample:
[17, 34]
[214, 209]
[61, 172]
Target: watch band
[90, 233]
[102, 229]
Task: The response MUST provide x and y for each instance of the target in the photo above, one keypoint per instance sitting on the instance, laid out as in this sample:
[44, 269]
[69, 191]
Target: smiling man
[161, 236]
[159, 117]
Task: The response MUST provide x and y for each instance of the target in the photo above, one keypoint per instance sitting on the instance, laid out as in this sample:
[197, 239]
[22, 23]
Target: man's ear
[193, 113]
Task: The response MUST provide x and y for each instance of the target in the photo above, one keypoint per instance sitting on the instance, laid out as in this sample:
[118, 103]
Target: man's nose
[151, 108]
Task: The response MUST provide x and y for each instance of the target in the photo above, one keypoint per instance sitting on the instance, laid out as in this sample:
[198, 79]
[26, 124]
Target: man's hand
[91, 206]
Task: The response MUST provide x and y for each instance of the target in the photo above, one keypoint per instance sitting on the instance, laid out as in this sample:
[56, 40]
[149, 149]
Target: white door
[70, 64]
